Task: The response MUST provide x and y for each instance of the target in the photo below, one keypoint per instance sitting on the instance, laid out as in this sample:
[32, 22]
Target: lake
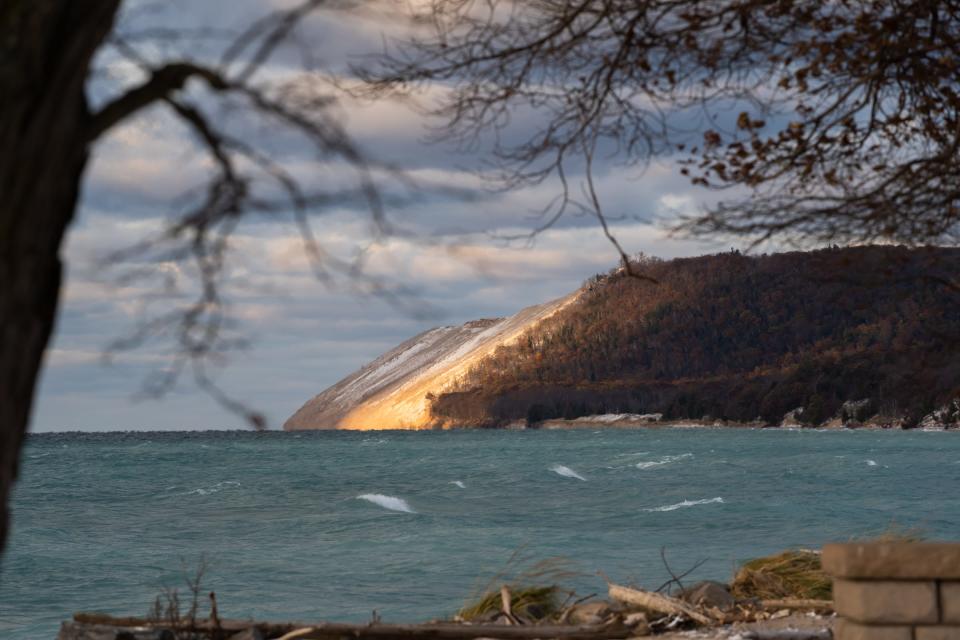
[335, 525]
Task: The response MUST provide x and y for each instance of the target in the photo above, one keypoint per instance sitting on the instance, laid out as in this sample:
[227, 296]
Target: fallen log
[658, 603]
[200, 625]
[102, 618]
[453, 631]
[376, 631]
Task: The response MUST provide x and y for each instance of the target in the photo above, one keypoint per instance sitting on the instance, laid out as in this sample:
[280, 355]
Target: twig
[673, 577]
[215, 617]
[567, 609]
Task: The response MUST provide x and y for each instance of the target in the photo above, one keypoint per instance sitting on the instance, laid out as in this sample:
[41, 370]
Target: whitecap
[459, 483]
[650, 465]
[387, 502]
[871, 463]
[687, 503]
[663, 461]
[566, 472]
[220, 486]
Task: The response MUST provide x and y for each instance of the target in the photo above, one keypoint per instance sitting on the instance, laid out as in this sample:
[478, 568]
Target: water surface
[334, 525]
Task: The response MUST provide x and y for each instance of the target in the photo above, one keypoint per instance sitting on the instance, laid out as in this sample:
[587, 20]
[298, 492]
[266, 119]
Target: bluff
[396, 391]
[861, 334]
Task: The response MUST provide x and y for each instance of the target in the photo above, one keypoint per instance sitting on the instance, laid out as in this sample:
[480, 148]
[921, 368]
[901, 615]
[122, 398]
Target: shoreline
[575, 424]
[635, 421]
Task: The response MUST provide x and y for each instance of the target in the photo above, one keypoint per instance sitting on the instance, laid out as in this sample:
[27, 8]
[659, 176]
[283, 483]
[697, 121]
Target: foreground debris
[781, 597]
[652, 601]
[630, 613]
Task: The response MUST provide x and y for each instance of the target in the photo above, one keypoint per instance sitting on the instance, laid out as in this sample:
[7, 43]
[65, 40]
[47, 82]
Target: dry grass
[798, 573]
[530, 603]
[535, 591]
[790, 574]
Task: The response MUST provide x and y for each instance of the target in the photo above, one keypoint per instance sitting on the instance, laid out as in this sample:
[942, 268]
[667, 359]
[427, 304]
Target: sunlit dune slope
[391, 392]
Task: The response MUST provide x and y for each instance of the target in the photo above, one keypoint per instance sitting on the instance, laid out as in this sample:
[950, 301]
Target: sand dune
[391, 392]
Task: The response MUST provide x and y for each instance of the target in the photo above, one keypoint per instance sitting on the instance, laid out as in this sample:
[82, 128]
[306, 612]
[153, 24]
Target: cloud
[67, 357]
[305, 336]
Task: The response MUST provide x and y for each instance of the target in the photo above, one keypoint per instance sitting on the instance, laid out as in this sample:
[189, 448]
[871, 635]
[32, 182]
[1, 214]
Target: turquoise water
[105, 521]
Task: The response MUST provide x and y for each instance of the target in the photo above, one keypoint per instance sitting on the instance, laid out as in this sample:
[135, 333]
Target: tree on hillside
[845, 125]
[835, 121]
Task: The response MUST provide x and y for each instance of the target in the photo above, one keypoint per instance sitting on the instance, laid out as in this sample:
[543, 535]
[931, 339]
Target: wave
[459, 483]
[665, 460]
[566, 472]
[687, 503]
[387, 502]
[220, 486]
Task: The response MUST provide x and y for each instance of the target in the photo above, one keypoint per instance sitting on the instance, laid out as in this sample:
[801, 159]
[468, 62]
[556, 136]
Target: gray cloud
[304, 335]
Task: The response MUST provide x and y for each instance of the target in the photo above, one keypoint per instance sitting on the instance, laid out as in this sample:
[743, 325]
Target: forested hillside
[853, 333]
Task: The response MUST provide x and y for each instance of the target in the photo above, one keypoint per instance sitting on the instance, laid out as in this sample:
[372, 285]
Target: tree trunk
[46, 48]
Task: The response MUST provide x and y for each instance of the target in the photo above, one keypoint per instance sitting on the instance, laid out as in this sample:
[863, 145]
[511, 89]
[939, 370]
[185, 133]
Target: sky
[303, 335]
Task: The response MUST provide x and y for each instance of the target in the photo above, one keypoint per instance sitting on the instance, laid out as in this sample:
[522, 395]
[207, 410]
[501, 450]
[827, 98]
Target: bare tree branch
[244, 179]
[840, 120]
[161, 84]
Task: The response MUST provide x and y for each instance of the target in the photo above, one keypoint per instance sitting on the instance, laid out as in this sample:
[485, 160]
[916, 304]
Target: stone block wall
[895, 590]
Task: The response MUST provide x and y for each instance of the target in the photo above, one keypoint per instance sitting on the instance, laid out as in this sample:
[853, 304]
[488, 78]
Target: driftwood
[201, 625]
[102, 618]
[452, 631]
[506, 606]
[797, 603]
[379, 631]
[657, 602]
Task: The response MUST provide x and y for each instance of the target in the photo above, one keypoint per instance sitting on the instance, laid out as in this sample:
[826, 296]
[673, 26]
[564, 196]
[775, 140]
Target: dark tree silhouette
[48, 53]
[840, 121]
